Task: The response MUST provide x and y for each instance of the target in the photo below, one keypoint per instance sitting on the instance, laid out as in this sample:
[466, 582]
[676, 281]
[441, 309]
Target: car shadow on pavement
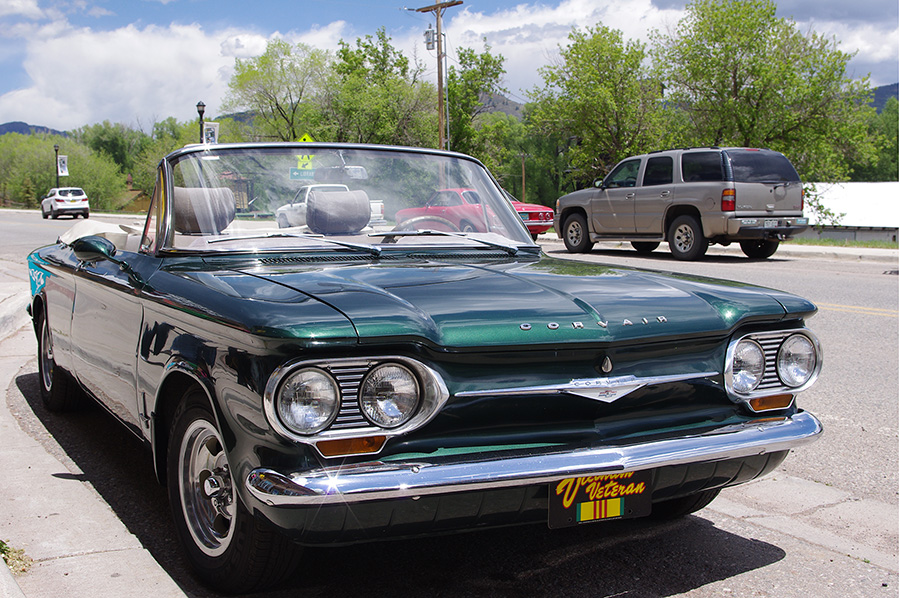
[638, 558]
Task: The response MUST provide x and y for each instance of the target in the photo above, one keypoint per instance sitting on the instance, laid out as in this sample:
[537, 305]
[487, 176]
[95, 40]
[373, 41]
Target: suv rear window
[701, 166]
[761, 166]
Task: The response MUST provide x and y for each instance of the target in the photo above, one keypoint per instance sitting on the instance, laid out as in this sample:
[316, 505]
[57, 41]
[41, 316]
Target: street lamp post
[56, 163]
[201, 108]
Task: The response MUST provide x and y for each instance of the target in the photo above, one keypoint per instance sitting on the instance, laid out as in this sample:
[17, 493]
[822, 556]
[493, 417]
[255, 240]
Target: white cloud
[20, 8]
[138, 74]
[127, 75]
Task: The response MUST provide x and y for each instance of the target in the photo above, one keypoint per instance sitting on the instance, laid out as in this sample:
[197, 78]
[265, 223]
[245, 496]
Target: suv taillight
[802, 198]
[728, 200]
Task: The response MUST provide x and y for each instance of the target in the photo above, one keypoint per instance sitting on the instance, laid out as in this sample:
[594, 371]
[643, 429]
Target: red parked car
[460, 209]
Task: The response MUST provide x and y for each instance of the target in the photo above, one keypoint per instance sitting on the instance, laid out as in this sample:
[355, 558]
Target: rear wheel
[58, 391]
[575, 234]
[759, 249]
[686, 240]
[228, 548]
[679, 507]
[644, 246]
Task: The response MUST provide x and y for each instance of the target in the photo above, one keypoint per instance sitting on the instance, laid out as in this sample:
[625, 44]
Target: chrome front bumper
[383, 480]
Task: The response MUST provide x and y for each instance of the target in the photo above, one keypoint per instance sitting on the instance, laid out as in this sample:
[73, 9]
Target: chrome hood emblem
[605, 390]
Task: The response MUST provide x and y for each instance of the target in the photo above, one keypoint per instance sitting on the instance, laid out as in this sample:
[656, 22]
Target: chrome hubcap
[684, 238]
[207, 492]
[574, 233]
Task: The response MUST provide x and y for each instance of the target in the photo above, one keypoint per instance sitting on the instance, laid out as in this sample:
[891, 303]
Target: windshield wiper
[389, 238]
[367, 248]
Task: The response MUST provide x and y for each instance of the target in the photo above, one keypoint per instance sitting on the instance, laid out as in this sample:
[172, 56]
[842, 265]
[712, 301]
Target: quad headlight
[748, 366]
[797, 359]
[389, 395]
[308, 401]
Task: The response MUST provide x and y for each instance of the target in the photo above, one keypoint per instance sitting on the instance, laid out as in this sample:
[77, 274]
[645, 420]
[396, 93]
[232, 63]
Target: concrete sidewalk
[79, 546]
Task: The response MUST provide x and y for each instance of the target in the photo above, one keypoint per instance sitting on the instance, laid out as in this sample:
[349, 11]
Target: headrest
[337, 212]
[202, 210]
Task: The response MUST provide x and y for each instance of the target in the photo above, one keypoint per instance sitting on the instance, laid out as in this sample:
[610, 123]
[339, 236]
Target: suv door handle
[629, 196]
[664, 193]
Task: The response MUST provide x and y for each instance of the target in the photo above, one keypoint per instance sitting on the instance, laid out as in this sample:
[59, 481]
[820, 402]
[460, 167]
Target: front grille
[771, 344]
[349, 378]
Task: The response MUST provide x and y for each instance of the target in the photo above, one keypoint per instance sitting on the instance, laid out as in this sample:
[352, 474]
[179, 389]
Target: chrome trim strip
[421, 477]
[601, 389]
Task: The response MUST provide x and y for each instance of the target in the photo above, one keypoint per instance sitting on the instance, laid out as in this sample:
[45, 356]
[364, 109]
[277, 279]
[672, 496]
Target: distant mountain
[882, 94]
[26, 129]
[499, 103]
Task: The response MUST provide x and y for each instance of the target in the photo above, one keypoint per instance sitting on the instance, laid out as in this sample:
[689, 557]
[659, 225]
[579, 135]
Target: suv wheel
[686, 240]
[759, 249]
[575, 234]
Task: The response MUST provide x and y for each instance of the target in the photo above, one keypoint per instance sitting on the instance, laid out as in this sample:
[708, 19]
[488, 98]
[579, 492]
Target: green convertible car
[350, 380]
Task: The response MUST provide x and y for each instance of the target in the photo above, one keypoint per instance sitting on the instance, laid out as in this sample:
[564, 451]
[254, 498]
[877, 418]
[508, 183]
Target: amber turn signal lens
[351, 446]
[772, 402]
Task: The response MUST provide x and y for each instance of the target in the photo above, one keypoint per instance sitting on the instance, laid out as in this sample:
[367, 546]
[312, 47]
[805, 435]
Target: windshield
[298, 197]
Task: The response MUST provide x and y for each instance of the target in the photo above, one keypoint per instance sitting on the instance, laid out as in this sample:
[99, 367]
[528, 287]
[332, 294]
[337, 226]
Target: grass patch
[844, 243]
[15, 558]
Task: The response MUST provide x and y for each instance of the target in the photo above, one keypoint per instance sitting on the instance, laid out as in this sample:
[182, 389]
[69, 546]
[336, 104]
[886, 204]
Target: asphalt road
[824, 524]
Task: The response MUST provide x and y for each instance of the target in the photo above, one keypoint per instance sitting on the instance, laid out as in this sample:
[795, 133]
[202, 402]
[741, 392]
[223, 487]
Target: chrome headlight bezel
[771, 383]
[783, 367]
[349, 373]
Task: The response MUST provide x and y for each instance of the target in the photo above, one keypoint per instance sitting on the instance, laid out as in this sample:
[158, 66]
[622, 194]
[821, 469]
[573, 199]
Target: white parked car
[65, 200]
[294, 213]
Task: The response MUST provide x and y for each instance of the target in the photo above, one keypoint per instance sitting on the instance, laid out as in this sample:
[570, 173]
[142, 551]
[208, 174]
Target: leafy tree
[884, 128]
[120, 142]
[283, 88]
[376, 97]
[600, 94]
[745, 77]
[28, 170]
[477, 78]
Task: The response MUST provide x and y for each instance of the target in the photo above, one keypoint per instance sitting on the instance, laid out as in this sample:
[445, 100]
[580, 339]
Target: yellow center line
[856, 309]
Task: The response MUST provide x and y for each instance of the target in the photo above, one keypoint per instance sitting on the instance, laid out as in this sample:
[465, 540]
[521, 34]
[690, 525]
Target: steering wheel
[406, 224]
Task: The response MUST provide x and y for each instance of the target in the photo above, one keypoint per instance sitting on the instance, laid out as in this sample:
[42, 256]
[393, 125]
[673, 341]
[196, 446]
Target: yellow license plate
[574, 501]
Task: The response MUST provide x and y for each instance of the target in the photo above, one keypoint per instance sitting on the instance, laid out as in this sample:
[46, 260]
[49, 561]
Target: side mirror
[92, 249]
[599, 184]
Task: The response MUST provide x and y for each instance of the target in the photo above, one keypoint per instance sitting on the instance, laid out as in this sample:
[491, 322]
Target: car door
[653, 196]
[106, 323]
[612, 208]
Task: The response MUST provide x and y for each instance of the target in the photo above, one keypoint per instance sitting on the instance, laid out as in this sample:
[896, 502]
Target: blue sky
[67, 63]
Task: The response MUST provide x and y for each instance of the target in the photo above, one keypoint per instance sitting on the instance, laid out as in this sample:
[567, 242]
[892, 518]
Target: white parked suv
[65, 201]
[689, 198]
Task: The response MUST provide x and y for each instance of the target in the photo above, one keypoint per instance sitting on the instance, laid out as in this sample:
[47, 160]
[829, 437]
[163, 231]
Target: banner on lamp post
[62, 165]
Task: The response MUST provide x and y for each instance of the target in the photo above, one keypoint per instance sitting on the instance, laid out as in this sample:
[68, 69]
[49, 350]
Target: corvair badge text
[526, 326]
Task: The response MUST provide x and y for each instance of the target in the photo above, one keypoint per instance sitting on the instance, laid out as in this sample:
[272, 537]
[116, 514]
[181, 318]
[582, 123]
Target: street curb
[859, 254]
[8, 586]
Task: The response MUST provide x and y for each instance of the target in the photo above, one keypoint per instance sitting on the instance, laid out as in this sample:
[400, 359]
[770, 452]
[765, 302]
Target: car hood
[537, 302]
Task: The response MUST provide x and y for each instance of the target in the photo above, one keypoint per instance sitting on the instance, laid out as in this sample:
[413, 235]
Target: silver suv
[689, 198]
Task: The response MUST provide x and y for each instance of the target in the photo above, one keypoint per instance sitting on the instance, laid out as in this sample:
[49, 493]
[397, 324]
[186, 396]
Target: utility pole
[438, 10]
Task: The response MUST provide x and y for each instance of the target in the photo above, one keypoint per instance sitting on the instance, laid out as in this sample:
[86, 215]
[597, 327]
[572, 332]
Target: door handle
[664, 194]
[629, 196]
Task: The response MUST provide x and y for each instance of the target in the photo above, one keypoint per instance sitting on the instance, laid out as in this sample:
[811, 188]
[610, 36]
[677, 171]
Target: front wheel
[575, 234]
[229, 549]
[58, 390]
[686, 240]
[759, 249]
